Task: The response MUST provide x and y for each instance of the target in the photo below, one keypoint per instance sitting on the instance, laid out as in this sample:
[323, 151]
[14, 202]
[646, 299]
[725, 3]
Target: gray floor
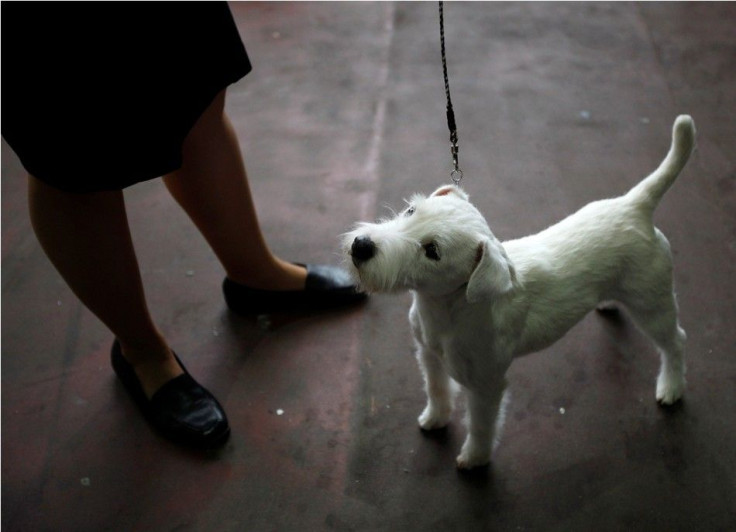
[557, 105]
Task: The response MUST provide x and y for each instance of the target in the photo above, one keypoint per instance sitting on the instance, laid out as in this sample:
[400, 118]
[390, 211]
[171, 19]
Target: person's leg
[212, 187]
[86, 237]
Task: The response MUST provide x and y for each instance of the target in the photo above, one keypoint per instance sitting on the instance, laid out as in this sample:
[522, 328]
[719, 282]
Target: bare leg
[98, 262]
[212, 187]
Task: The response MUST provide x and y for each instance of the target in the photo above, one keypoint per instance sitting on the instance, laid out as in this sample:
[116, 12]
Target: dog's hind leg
[655, 312]
[671, 380]
[662, 327]
[485, 420]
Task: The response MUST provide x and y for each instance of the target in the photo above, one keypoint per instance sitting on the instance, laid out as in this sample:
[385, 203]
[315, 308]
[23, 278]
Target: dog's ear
[450, 189]
[493, 275]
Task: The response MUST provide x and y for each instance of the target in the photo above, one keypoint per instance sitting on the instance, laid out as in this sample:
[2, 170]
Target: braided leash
[456, 175]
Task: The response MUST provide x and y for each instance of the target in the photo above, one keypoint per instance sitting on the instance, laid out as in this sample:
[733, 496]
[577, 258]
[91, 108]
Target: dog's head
[437, 245]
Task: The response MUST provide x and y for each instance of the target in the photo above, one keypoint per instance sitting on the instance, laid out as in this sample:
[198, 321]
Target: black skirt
[100, 95]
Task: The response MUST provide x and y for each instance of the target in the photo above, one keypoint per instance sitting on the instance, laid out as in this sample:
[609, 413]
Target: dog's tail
[649, 192]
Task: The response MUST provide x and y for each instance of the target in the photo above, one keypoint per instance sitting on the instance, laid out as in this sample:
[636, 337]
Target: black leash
[456, 175]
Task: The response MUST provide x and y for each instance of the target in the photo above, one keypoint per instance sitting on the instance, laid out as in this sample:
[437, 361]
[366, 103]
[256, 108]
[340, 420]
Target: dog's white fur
[479, 303]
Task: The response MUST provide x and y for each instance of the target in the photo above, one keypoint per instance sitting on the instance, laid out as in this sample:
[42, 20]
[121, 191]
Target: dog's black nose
[363, 249]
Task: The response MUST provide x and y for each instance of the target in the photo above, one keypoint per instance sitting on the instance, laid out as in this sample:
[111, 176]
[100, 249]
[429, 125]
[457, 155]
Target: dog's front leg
[436, 414]
[485, 419]
[437, 384]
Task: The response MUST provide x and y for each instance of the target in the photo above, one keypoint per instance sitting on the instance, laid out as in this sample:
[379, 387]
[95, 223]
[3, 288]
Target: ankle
[139, 352]
[154, 363]
[280, 276]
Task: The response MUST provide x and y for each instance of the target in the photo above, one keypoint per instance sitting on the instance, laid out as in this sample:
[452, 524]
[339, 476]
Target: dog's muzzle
[362, 250]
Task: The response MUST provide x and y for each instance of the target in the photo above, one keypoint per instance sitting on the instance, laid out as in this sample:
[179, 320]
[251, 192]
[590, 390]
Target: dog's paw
[472, 456]
[471, 462]
[670, 389]
[434, 418]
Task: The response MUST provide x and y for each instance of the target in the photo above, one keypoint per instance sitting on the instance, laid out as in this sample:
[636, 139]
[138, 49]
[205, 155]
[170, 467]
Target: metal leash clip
[456, 175]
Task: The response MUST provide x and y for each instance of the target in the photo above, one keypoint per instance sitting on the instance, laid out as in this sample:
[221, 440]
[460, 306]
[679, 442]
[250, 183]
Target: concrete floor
[557, 105]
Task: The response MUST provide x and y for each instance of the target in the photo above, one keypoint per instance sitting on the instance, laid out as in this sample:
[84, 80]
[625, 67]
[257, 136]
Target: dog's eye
[410, 210]
[431, 251]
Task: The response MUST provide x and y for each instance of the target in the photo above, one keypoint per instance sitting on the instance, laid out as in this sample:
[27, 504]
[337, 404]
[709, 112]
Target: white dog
[479, 303]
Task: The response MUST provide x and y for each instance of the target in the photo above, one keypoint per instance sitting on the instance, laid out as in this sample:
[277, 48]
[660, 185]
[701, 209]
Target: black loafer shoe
[181, 410]
[326, 287]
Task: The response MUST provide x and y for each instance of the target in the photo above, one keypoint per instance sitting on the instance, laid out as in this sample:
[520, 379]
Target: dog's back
[599, 253]
[608, 220]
